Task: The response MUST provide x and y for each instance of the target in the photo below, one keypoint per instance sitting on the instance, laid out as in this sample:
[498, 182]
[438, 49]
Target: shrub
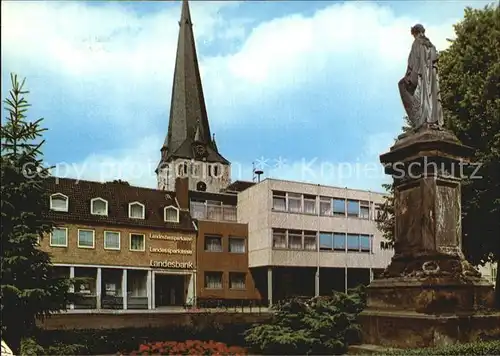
[29, 347]
[320, 325]
[190, 347]
[473, 349]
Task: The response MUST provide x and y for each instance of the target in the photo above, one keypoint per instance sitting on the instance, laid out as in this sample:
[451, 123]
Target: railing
[227, 305]
[213, 212]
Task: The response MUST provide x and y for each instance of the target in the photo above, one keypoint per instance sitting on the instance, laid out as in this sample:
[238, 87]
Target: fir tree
[29, 286]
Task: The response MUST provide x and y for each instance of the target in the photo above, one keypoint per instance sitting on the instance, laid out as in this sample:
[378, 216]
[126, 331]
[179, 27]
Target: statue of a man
[419, 88]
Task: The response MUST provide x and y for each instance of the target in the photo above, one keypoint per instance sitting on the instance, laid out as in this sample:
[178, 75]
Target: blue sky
[307, 89]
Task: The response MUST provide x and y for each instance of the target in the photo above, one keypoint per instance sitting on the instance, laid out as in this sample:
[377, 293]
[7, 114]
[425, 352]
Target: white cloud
[121, 63]
[136, 165]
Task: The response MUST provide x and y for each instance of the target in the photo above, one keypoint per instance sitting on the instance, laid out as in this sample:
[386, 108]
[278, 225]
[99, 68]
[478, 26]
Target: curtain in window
[58, 237]
[236, 245]
[294, 241]
[111, 239]
[136, 284]
[213, 244]
[136, 211]
[279, 203]
[86, 238]
[237, 281]
[99, 207]
[58, 203]
[171, 214]
[294, 203]
[310, 242]
[137, 242]
[279, 240]
[309, 206]
[213, 280]
[325, 207]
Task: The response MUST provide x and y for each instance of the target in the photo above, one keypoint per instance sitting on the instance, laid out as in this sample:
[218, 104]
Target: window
[171, 214]
[136, 210]
[279, 201]
[325, 206]
[364, 210]
[352, 242]
[325, 241]
[213, 170]
[339, 241]
[58, 202]
[353, 208]
[294, 203]
[339, 207]
[137, 283]
[182, 169]
[279, 239]
[86, 238]
[310, 240]
[365, 243]
[111, 240]
[213, 280]
[295, 240]
[98, 206]
[137, 242]
[59, 237]
[213, 243]
[309, 204]
[236, 245]
[237, 280]
[378, 211]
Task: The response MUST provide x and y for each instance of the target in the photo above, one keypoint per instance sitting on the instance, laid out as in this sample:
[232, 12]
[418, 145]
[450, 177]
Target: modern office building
[129, 247]
[307, 239]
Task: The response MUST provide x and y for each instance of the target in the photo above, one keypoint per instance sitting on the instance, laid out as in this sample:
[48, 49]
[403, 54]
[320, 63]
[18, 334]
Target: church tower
[189, 149]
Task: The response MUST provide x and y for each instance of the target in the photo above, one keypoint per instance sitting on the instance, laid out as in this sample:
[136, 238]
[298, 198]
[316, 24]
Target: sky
[304, 90]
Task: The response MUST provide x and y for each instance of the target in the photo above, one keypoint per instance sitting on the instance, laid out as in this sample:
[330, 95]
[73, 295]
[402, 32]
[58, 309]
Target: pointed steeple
[214, 145]
[188, 113]
[197, 135]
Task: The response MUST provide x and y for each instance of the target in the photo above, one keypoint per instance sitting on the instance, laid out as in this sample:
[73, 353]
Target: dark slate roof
[188, 112]
[227, 199]
[118, 195]
[239, 186]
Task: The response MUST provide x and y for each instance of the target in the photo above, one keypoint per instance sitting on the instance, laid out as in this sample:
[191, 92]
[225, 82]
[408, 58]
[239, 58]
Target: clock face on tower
[200, 150]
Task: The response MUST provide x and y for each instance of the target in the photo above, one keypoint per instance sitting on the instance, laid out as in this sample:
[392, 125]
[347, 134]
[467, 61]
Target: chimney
[182, 192]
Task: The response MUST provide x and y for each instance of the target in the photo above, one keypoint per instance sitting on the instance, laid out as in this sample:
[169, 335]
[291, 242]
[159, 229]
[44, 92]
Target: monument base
[406, 329]
[429, 311]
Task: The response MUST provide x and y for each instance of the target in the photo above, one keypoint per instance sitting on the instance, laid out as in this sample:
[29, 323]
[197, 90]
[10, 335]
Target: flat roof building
[309, 239]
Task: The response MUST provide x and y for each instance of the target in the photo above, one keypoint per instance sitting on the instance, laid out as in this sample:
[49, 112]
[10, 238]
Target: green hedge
[111, 341]
[474, 349]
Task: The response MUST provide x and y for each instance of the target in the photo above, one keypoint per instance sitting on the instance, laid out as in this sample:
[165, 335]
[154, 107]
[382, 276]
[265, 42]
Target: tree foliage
[470, 92]
[318, 326]
[29, 286]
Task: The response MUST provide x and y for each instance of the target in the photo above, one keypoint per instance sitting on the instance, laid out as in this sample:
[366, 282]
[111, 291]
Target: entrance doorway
[169, 290]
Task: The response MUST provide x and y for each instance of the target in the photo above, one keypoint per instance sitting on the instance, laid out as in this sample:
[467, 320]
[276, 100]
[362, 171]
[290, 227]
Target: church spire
[188, 113]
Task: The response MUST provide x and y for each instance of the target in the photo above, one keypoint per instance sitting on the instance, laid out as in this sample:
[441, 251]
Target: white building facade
[308, 239]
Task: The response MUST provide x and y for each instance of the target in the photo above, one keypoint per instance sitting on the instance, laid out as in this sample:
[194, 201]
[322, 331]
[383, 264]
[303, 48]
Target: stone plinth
[429, 295]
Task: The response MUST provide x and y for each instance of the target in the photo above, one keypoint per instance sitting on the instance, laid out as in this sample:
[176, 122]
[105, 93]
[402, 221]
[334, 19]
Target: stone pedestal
[429, 295]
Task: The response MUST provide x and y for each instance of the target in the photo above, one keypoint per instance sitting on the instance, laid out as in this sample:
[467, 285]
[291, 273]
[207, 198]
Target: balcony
[213, 212]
